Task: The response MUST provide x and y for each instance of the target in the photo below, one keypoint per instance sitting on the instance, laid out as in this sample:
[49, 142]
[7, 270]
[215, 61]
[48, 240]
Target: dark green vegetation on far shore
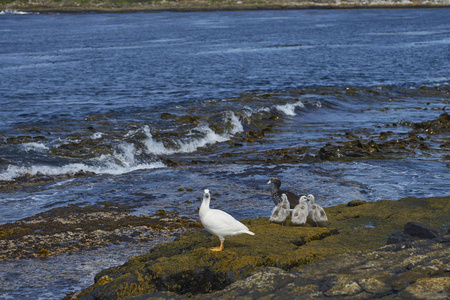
[83, 6]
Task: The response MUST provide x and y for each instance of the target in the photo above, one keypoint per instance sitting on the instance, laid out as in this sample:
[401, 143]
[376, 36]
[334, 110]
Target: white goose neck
[206, 200]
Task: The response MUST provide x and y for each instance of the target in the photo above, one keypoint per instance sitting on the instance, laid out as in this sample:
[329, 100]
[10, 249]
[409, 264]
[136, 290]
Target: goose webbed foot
[220, 248]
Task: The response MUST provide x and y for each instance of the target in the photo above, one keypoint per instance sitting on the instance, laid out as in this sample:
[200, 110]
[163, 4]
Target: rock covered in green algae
[334, 261]
[188, 267]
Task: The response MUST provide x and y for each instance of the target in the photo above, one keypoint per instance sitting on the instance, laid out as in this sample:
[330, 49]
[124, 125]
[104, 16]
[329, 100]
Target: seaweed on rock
[186, 267]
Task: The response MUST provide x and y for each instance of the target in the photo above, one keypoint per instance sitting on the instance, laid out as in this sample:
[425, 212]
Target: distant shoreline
[126, 6]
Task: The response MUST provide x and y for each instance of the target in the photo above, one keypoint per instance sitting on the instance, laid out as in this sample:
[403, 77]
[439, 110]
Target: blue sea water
[72, 66]
[107, 81]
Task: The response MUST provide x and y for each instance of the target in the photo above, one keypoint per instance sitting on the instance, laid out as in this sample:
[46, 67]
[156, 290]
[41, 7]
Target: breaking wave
[206, 136]
[188, 146]
[289, 109]
[137, 150]
[124, 160]
[13, 172]
[34, 147]
[13, 12]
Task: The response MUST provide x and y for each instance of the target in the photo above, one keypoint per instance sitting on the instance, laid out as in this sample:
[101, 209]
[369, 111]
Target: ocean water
[144, 104]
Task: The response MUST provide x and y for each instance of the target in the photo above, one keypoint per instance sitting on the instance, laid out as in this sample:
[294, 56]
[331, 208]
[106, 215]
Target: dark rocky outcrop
[417, 272]
[387, 148]
[441, 125]
[415, 231]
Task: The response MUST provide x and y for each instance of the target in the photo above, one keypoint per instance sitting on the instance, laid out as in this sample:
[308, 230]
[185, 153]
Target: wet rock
[85, 148]
[422, 231]
[356, 203]
[261, 284]
[286, 155]
[252, 135]
[330, 152]
[27, 179]
[343, 285]
[168, 116]
[187, 119]
[374, 284]
[82, 173]
[442, 124]
[348, 150]
[398, 238]
[386, 148]
[362, 275]
[384, 135]
[73, 228]
[428, 289]
[415, 231]
[19, 140]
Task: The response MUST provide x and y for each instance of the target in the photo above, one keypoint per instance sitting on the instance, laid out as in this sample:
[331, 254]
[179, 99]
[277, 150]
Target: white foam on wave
[13, 12]
[127, 154]
[127, 157]
[108, 167]
[124, 160]
[34, 147]
[96, 135]
[154, 146]
[236, 125]
[289, 109]
[248, 111]
[189, 145]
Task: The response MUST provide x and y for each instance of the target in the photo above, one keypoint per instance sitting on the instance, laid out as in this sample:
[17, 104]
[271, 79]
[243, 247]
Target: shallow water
[123, 95]
[37, 278]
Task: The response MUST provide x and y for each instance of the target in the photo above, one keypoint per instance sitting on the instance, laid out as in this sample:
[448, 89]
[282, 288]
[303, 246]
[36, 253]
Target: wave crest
[196, 138]
[289, 109]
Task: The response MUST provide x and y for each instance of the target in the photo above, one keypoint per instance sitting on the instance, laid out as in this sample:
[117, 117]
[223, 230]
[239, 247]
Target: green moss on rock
[187, 266]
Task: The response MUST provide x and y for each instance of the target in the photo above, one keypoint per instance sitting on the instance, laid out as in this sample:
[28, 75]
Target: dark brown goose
[276, 193]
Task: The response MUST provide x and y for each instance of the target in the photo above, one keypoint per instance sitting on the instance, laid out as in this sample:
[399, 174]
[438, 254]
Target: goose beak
[270, 181]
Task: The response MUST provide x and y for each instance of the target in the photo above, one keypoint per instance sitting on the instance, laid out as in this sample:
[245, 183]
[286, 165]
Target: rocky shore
[385, 249]
[52, 6]
[76, 228]
[366, 250]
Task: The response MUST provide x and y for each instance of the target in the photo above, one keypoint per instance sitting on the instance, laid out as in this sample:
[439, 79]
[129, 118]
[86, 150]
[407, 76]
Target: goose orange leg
[220, 248]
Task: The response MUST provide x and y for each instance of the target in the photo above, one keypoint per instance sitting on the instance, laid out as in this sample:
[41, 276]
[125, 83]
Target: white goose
[281, 211]
[316, 211]
[300, 213]
[219, 223]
